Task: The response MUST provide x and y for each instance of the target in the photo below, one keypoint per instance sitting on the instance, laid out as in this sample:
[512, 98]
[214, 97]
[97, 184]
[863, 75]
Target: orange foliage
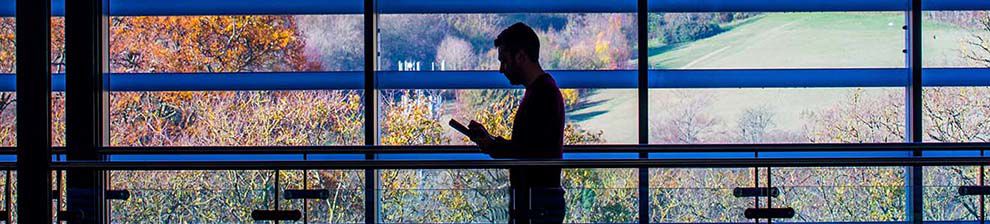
[207, 44]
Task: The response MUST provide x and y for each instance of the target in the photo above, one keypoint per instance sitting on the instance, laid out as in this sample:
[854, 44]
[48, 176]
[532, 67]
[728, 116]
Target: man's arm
[496, 147]
[501, 148]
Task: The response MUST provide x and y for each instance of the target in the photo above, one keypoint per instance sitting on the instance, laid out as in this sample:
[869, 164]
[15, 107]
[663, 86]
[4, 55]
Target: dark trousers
[536, 205]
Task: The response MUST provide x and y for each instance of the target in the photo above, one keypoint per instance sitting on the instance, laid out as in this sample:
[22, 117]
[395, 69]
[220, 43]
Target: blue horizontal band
[777, 5]
[233, 7]
[611, 79]
[783, 78]
[493, 80]
[236, 81]
[300, 7]
[506, 6]
[956, 77]
[957, 5]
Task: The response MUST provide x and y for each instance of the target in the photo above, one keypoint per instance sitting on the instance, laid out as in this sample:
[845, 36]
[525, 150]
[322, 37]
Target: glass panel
[58, 67]
[601, 195]
[444, 196]
[841, 194]
[241, 118]
[956, 114]
[776, 115]
[701, 195]
[345, 203]
[8, 98]
[419, 117]
[749, 40]
[9, 193]
[163, 45]
[8, 130]
[192, 196]
[956, 39]
[942, 199]
[452, 42]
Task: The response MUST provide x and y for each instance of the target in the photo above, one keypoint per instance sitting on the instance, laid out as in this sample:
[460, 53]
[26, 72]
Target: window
[695, 100]
[443, 48]
[242, 62]
[954, 45]
[439, 65]
[8, 96]
[954, 40]
[282, 76]
[754, 72]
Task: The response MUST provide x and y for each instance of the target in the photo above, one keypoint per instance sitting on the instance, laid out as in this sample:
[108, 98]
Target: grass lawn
[796, 40]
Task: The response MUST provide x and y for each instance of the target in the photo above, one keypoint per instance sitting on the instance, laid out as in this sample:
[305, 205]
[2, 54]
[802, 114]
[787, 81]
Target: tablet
[459, 127]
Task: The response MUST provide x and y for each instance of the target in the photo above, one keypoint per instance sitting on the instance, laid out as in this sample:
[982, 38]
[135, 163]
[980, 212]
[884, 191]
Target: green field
[781, 40]
[795, 40]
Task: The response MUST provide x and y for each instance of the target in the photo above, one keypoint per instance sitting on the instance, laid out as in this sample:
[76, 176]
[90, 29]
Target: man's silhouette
[537, 130]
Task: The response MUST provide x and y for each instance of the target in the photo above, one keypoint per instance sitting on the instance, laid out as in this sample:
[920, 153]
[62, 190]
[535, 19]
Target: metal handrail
[296, 7]
[618, 148]
[488, 164]
[605, 79]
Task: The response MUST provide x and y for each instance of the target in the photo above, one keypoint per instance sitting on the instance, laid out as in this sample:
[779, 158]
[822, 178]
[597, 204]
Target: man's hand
[480, 136]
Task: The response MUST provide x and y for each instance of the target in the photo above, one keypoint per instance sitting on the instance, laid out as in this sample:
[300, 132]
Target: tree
[755, 123]
[335, 41]
[686, 119]
[862, 118]
[455, 54]
[977, 47]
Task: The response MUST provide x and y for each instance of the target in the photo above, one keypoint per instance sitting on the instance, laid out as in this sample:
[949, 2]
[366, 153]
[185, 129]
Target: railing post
[370, 108]
[643, 65]
[34, 84]
[87, 112]
[914, 112]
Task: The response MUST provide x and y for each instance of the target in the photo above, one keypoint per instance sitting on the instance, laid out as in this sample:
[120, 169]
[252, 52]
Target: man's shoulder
[546, 88]
[546, 82]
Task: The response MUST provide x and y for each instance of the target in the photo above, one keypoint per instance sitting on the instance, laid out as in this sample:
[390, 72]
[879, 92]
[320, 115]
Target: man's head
[518, 47]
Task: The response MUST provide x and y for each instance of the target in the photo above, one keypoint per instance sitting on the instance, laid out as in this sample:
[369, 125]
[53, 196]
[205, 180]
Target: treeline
[966, 19]
[672, 28]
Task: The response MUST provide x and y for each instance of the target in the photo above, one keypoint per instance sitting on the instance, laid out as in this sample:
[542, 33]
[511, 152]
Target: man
[537, 130]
